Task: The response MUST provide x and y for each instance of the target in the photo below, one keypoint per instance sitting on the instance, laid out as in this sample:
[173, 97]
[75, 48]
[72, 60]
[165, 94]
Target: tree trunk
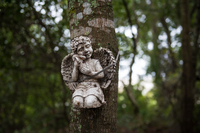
[94, 19]
[188, 75]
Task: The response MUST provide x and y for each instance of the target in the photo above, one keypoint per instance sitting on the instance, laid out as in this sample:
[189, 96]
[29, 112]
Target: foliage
[33, 44]
[34, 38]
[158, 27]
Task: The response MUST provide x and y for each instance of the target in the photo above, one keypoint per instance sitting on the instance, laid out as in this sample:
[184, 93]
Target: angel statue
[86, 76]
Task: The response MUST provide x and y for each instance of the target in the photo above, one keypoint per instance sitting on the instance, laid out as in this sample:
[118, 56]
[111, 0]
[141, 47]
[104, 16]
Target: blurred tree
[159, 38]
[33, 41]
[189, 55]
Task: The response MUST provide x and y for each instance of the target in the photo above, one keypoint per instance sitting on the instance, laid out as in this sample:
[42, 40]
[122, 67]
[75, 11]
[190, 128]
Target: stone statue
[87, 76]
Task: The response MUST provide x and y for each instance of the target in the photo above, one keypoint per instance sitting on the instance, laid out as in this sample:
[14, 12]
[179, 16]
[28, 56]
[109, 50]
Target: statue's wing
[105, 58]
[66, 71]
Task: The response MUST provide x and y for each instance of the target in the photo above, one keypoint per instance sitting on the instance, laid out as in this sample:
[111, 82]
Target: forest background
[34, 38]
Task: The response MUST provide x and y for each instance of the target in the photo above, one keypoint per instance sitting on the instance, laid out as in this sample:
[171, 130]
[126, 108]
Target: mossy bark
[94, 19]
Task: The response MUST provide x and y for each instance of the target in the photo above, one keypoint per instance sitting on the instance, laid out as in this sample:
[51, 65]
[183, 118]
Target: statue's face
[85, 49]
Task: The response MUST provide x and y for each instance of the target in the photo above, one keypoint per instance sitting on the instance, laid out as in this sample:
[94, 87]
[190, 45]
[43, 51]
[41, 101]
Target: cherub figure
[88, 94]
[78, 70]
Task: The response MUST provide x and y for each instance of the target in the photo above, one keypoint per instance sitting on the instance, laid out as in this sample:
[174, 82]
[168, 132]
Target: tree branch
[49, 40]
[194, 8]
[131, 97]
[171, 53]
[134, 51]
[195, 50]
[134, 40]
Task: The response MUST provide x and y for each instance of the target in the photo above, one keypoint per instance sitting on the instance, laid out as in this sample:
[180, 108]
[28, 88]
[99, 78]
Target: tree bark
[94, 19]
[188, 74]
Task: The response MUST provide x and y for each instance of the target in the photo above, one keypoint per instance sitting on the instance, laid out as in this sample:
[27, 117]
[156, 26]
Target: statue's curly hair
[78, 40]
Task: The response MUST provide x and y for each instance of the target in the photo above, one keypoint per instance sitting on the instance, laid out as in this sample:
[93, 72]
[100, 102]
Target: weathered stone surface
[87, 76]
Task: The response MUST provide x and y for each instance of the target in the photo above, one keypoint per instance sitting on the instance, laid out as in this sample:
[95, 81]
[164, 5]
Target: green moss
[76, 22]
[94, 4]
[72, 11]
[86, 33]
